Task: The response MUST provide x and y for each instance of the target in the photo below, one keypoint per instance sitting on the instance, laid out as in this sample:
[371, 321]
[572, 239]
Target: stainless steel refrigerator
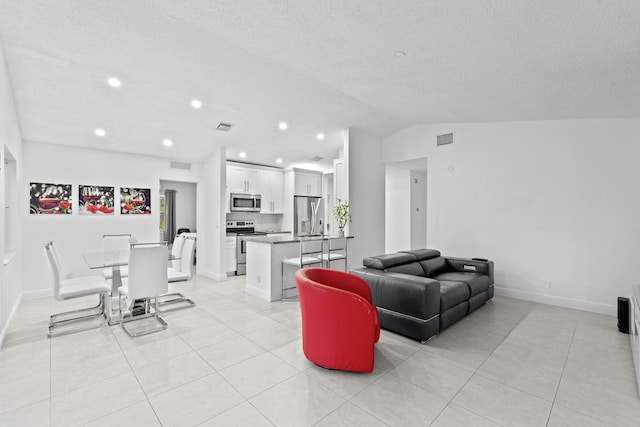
[308, 213]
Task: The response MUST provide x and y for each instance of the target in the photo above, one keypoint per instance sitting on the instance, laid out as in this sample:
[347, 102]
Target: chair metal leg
[99, 310]
[57, 327]
[174, 298]
[148, 315]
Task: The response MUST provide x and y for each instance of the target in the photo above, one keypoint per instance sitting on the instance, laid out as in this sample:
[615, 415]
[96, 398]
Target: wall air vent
[445, 139]
[224, 127]
[181, 165]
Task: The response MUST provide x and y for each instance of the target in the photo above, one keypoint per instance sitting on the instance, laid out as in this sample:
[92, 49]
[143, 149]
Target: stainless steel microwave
[242, 202]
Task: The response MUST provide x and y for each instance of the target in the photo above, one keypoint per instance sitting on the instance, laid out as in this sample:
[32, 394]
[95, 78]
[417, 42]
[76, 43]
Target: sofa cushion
[412, 268]
[382, 262]
[434, 266]
[477, 282]
[452, 294]
[422, 254]
[410, 295]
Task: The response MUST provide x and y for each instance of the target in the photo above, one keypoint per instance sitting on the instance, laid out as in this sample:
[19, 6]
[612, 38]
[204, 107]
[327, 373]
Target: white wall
[74, 234]
[366, 196]
[10, 142]
[211, 216]
[397, 230]
[546, 200]
[186, 212]
[418, 208]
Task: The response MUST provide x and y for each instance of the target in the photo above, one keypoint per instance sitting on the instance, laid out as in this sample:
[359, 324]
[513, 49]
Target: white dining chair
[116, 243]
[76, 287]
[176, 251]
[147, 279]
[180, 270]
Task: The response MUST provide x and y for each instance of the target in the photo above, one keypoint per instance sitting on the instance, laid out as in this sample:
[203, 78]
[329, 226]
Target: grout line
[566, 360]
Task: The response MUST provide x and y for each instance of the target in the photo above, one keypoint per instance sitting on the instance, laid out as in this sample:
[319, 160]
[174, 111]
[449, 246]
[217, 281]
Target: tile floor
[237, 360]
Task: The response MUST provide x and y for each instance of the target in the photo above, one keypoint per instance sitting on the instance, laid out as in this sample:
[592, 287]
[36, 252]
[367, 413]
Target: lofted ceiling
[320, 66]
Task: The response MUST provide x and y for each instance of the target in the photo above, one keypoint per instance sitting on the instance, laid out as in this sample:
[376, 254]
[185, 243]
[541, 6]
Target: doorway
[406, 205]
[185, 208]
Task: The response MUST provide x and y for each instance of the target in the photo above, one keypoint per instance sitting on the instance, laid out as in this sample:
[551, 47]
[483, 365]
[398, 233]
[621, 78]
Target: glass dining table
[113, 260]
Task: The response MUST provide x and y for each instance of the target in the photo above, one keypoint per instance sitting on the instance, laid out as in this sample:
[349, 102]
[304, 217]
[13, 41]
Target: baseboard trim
[211, 275]
[576, 304]
[257, 292]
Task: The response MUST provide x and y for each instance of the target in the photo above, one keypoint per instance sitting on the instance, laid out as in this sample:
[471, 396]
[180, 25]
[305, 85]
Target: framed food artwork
[95, 200]
[135, 201]
[50, 199]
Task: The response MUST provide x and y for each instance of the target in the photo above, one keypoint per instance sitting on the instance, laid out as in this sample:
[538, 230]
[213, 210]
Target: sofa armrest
[471, 265]
[410, 295]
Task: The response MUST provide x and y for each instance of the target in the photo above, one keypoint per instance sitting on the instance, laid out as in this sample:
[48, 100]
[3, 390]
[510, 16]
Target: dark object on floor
[623, 315]
[138, 307]
[420, 293]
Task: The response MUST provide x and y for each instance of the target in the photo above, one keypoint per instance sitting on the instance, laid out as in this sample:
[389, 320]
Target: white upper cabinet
[268, 182]
[271, 189]
[308, 184]
[241, 179]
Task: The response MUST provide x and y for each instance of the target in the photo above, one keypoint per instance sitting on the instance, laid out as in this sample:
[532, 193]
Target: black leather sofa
[419, 293]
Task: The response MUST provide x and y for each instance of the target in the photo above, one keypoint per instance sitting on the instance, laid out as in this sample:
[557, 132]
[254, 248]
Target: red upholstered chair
[340, 326]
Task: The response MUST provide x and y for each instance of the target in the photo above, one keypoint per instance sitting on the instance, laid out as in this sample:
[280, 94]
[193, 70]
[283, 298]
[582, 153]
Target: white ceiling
[321, 66]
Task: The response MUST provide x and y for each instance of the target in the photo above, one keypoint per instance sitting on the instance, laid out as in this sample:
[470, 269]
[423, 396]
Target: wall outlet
[546, 284]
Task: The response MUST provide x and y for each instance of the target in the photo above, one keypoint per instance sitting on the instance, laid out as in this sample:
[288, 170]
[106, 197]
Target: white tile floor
[237, 360]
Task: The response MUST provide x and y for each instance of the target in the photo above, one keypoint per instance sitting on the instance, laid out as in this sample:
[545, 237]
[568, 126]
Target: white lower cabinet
[231, 254]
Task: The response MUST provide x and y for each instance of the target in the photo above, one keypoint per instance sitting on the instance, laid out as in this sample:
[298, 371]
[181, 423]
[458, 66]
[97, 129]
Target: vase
[341, 232]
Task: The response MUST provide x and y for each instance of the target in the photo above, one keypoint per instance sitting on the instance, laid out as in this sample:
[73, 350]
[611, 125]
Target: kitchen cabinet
[271, 189]
[231, 254]
[308, 183]
[263, 180]
[242, 179]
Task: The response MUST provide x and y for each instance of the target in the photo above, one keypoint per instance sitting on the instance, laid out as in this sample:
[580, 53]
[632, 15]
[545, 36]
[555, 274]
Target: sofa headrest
[381, 262]
[422, 254]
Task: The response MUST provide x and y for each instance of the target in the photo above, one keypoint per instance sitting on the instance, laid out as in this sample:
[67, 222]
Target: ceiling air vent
[181, 165]
[445, 139]
[224, 127]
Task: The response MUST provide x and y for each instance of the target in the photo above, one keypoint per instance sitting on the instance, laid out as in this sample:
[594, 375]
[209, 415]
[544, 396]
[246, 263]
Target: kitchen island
[264, 263]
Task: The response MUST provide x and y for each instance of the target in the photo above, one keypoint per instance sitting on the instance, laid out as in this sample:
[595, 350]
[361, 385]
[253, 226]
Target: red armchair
[340, 326]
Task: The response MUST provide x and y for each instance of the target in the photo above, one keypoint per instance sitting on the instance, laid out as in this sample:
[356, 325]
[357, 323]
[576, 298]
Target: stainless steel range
[243, 230]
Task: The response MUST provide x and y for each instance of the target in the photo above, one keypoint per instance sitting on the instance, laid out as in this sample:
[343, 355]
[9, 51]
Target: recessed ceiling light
[278, 160]
[100, 132]
[283, 126]
[196, 103]
[242, 154]
[167, 142]
[114, 82]
[320, 136]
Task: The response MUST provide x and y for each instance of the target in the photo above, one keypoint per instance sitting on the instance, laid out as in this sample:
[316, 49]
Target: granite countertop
[271, 240]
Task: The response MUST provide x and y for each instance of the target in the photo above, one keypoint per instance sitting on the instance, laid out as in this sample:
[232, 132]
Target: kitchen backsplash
[262, 221]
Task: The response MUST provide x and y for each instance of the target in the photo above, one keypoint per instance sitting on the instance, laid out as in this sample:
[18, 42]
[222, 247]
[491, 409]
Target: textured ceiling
[321, 66]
